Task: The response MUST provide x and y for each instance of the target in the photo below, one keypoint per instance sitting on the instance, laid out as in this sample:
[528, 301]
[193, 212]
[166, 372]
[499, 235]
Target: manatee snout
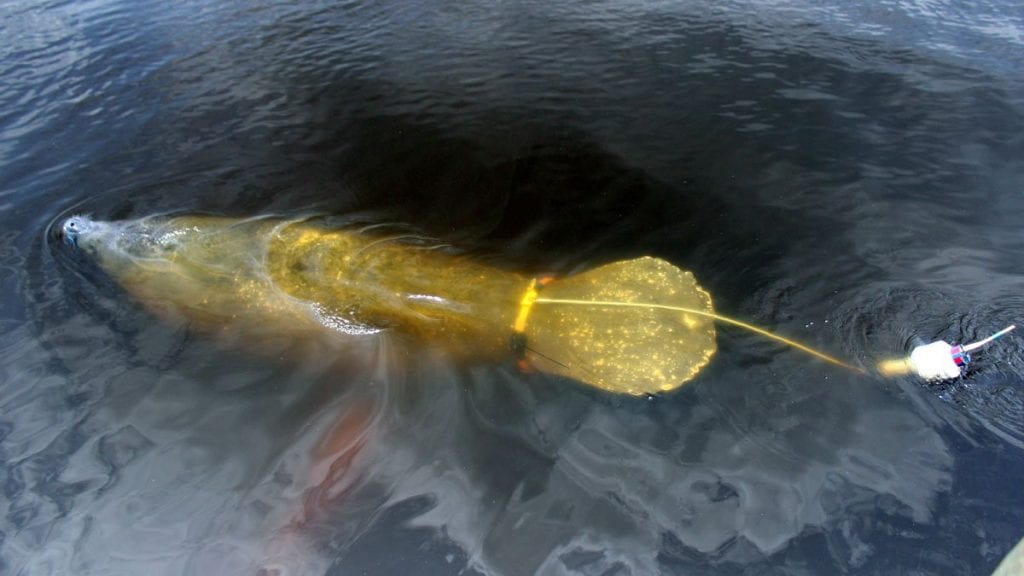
[73, 228]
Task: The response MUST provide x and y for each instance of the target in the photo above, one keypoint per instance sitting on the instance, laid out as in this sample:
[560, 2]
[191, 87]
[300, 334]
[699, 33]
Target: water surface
[846, 174]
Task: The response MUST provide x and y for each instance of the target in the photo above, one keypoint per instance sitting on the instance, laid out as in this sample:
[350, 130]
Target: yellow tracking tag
[525, 305]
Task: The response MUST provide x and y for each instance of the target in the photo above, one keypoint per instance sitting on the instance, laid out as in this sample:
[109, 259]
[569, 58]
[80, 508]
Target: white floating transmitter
[938, 360]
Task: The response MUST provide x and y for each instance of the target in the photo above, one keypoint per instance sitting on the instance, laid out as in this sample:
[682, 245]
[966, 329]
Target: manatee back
[414, 290]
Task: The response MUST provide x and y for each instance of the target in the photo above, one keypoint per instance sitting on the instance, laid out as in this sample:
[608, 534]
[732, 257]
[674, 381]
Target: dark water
[847, 175]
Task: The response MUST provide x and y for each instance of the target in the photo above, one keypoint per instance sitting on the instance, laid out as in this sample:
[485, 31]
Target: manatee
[634, 326]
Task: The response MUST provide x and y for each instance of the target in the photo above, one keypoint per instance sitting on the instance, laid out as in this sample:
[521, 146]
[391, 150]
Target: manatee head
[209, 269]
[116, 246]
[92, 236]
[86, 234]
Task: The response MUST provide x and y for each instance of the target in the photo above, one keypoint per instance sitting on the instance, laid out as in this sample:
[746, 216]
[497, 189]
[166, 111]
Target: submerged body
[279, 277]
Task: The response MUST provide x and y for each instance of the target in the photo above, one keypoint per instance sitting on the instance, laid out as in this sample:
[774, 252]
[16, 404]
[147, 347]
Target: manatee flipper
[331, 477]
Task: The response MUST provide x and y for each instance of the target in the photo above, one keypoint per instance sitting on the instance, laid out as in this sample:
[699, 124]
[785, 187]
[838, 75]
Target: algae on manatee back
[270, 275]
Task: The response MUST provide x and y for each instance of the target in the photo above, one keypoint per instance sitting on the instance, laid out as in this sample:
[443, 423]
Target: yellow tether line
[719, 317]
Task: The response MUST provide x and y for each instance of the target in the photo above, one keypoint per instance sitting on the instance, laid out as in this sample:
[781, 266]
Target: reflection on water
[843, 175]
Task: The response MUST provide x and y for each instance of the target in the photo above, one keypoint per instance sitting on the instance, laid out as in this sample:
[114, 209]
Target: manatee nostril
[69, 232]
